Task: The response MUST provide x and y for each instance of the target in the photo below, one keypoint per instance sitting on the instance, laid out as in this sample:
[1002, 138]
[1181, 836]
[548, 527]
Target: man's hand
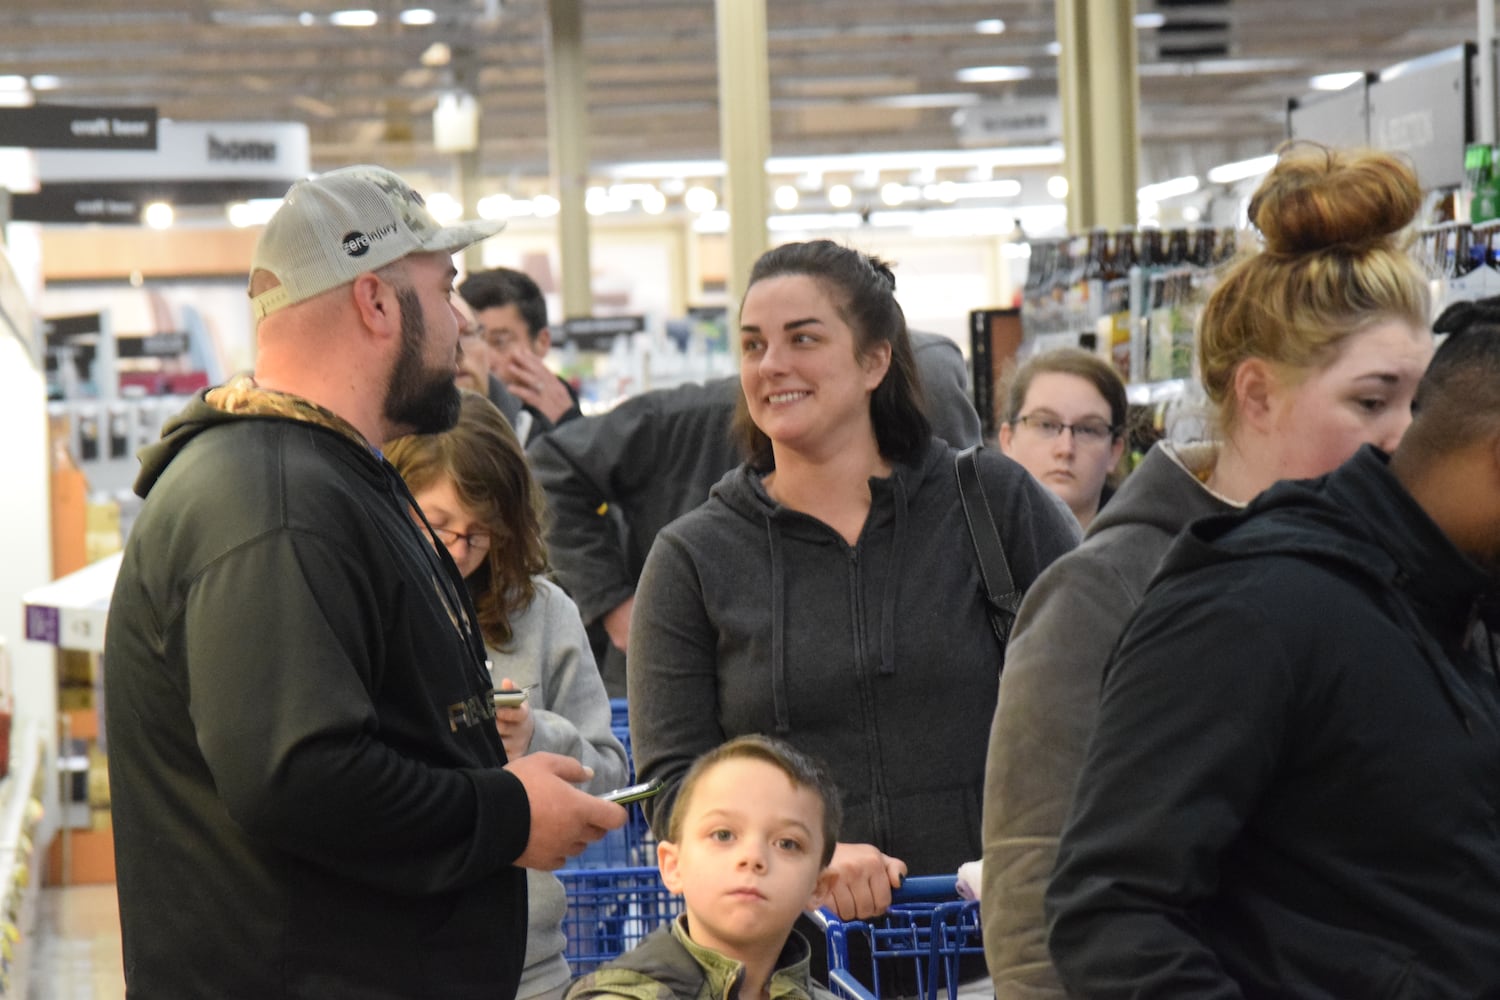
[535, 385]
[617, 623]
[564, 820]
[863, 880]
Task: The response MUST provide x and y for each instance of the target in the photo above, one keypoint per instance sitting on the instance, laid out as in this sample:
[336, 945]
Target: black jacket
[614, 480]
[307, 787]
[1293, 787]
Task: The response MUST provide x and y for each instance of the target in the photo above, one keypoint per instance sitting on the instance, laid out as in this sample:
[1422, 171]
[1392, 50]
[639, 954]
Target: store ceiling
[846, 75]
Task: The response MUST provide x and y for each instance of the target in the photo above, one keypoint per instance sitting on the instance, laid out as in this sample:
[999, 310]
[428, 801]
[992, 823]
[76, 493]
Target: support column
[1484, 126]
[567, 127]
[1100, 101]
[744, 133]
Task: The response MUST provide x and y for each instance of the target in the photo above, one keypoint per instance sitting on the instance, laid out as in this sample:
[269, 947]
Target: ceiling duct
[1194, 29]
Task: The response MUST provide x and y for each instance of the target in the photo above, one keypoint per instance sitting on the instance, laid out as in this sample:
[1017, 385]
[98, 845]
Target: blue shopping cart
[610, 910]
[923, 937]
[632, 845]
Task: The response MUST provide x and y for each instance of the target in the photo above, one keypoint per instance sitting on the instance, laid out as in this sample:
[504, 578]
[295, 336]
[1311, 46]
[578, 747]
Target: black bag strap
[999, 586]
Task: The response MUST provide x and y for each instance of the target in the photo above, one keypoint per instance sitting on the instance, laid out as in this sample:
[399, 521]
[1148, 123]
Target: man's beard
[418, 400]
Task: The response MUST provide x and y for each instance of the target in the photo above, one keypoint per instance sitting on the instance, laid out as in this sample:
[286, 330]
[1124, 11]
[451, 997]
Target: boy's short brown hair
[802, 770]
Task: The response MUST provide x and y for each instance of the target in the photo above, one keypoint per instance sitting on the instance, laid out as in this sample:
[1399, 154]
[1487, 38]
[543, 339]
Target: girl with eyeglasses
[476, 490]
[1309, 347]
[1065, 423]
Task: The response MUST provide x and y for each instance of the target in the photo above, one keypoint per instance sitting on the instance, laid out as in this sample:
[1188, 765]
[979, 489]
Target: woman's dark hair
[489, 472]
[863, 291]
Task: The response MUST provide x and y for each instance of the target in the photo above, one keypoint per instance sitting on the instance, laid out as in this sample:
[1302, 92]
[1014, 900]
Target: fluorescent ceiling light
[159, 215]
[956, 159]
[1228, 173]
[45, 81]
[992, 74]
[354, 18]
[1152, 19]
[255, 212]
[1336, 81]
[418, 16]
[13, 82]
[1218, 67]
[1174, 188]
[959, 100]
[990, 26]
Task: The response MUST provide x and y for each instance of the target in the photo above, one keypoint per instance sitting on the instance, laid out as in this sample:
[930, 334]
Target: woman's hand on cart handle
[863, 880]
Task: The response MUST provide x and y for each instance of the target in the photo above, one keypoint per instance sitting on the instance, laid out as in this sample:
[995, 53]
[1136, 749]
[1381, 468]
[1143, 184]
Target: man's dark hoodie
[306, 777]
[1294, 784]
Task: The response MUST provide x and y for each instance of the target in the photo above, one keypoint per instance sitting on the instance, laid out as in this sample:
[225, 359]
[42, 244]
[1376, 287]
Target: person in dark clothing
[1292, 786]
[614, 480]
[310, 795]
[512, 315]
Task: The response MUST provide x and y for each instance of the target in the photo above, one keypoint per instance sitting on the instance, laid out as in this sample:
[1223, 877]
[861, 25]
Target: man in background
[614, 480]
[512, 315]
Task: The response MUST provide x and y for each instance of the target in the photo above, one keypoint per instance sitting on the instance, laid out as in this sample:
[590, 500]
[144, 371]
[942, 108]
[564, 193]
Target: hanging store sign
[122, 203]
[1021, 122]
[1423, 108]
[194, 151]
[58, 126]
[1341, 118]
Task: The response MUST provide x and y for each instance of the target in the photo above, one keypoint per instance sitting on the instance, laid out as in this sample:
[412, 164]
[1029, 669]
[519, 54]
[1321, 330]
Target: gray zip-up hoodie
[1049, 699]
[876, 658]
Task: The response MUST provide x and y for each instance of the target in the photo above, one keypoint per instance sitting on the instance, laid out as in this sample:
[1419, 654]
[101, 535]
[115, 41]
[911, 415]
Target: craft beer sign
[56, 126]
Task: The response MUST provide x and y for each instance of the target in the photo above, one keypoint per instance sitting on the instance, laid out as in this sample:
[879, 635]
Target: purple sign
[43, 624]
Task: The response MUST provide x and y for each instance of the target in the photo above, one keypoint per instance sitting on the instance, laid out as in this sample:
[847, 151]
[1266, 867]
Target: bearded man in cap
[310, 795]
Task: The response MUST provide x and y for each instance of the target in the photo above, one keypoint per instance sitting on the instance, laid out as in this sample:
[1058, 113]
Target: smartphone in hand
[633, 793]
[510, 699]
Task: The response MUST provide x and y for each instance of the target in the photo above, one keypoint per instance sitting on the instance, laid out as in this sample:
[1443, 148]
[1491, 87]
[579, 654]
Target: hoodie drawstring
[778, 632]
[892, 588]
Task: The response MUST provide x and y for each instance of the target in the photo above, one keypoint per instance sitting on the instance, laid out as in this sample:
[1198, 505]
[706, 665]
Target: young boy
[748, 846]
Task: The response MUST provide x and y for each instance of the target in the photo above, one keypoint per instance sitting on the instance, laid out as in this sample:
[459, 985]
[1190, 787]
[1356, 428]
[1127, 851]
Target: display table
[70, 612]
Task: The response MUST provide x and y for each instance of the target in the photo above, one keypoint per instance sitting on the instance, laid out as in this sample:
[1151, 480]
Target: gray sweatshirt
[549, 655]
[876, 658]
[1049, 699]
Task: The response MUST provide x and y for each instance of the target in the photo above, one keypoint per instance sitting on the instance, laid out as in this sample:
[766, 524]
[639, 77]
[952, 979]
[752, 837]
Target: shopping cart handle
[922, 888]
[916, 889]
[844, 981]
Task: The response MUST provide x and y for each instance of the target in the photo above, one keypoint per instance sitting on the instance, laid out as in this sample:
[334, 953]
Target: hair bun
[1317, 198]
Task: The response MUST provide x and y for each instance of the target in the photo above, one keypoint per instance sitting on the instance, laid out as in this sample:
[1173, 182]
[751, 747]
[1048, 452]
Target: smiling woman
[828, 591]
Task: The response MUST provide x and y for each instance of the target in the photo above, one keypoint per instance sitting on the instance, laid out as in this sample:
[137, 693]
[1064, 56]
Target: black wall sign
[78, 203]
[58, 126]
[121, 202]
[592, 333]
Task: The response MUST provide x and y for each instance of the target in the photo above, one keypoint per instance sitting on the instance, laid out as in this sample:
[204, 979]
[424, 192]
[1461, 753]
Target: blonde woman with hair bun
[1310, 346]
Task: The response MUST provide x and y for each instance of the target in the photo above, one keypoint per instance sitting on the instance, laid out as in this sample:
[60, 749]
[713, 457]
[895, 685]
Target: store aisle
[77, 945]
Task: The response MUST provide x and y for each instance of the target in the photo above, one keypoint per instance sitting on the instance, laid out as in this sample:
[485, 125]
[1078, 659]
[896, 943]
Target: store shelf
[70, 612]
[20, 862]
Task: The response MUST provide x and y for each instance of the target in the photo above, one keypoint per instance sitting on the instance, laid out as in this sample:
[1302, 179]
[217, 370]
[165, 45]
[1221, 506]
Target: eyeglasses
[1084, 432]
[477, 541]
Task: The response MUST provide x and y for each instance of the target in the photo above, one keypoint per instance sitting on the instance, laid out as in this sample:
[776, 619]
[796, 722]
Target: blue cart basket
[610, 910]
[928, 929]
